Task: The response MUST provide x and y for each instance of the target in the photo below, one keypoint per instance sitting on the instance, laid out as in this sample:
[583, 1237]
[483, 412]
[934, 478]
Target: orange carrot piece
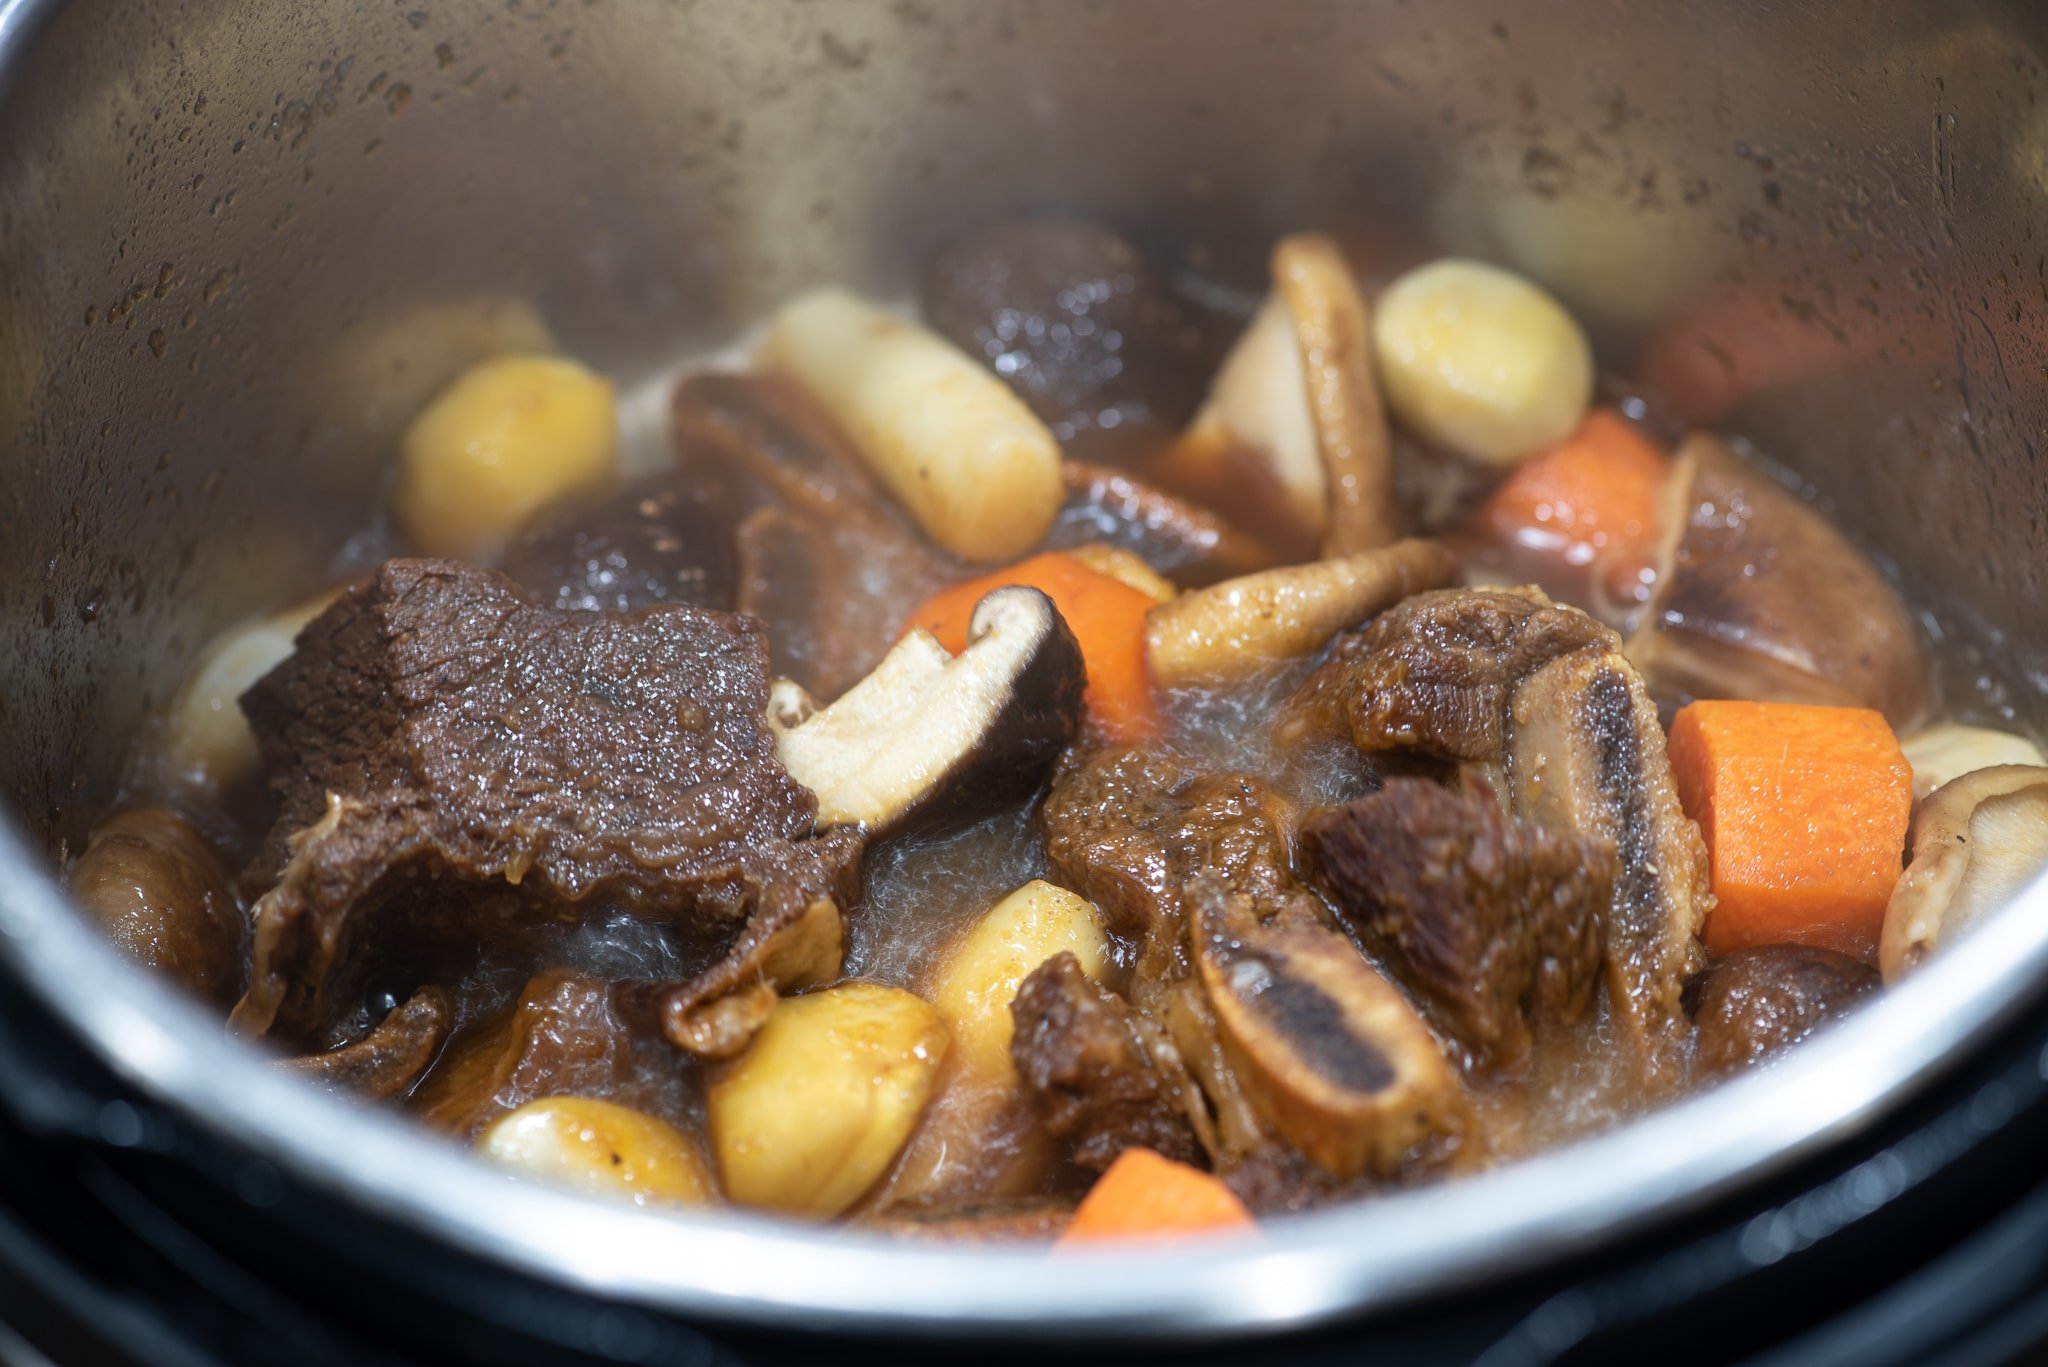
[1145, 1195]
[1804, 810]
[1583, 514]
[1106, 615]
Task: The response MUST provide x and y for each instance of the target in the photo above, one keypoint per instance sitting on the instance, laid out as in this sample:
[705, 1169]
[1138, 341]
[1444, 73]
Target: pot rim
[1366, 1256]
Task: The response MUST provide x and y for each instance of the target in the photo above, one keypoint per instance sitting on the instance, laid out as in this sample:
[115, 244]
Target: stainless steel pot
[237, 245]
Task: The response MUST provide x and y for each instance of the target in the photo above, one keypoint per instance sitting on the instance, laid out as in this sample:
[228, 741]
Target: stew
[1077, 748]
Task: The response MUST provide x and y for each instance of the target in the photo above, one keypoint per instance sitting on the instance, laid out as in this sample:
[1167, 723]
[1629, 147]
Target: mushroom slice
[1237, 627]
[1329, 1052]
[1127, 568]
[930, 737]
[1293, 430]
[563, 1036]
[1944, 753]
[1171, 534]
[1763, 599]
[383, 1063]
[717, 1013]
[1977, 843]
[1332, 328]
[766, 426]
[721, 1027]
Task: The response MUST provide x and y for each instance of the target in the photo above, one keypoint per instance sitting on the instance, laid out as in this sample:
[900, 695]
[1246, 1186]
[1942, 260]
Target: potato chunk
[980, 1139]
[818, 1107]
[601, 1148]
[1480, 361]
[207, 741]
[968, 458]
[510, 435]
[981, 976]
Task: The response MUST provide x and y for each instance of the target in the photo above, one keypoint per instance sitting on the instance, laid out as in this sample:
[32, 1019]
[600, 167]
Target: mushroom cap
[1242, 625]
[1978, 841]
[1763, 599]
[933, 738]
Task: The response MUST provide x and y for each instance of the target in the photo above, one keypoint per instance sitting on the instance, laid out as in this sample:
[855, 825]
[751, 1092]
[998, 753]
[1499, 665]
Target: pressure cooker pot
[263, 270]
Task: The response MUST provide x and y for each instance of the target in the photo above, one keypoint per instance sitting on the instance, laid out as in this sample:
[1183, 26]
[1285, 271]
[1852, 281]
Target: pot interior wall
[239, 245]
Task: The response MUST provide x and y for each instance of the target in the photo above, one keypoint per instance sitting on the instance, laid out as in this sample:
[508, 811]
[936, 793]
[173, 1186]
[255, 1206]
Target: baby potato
[510, 435]
[980, 977]
[207, 742]
[818, 1107]
[981, 1140]
[1480, 361]
[967, 457]
[598, 1147]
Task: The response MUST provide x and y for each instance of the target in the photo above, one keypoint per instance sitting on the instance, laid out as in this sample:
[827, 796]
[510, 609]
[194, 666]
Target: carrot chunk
[1582, 517]
[1145, 1195]
[1804, 810]
[1106, 615]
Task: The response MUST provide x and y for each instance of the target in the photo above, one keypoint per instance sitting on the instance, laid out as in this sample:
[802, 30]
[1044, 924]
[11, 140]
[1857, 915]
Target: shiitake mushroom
[162, 896]
[1763, 598]
[931, 738]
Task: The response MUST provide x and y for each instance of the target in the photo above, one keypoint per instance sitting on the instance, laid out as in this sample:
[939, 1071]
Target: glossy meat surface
[1127, 829]
[1537, 699]
[1492, 920]
[447, 755]
[1100, 1076]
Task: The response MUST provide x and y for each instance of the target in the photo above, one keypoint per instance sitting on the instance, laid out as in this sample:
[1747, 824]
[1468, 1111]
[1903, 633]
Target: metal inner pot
[239, 247]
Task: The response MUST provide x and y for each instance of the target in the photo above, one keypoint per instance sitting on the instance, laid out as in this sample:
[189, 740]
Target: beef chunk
[563, 1037]
[823, 556]
[1436, 673]
[1099, 1074]
[1758, 1002]
[1127, 829]
[833, 594]
[1275, 1179]
[452, 761]
[1294, 1040]
[666, 538]
[1537, 699]
[1491, 920]
[1328, 1053]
